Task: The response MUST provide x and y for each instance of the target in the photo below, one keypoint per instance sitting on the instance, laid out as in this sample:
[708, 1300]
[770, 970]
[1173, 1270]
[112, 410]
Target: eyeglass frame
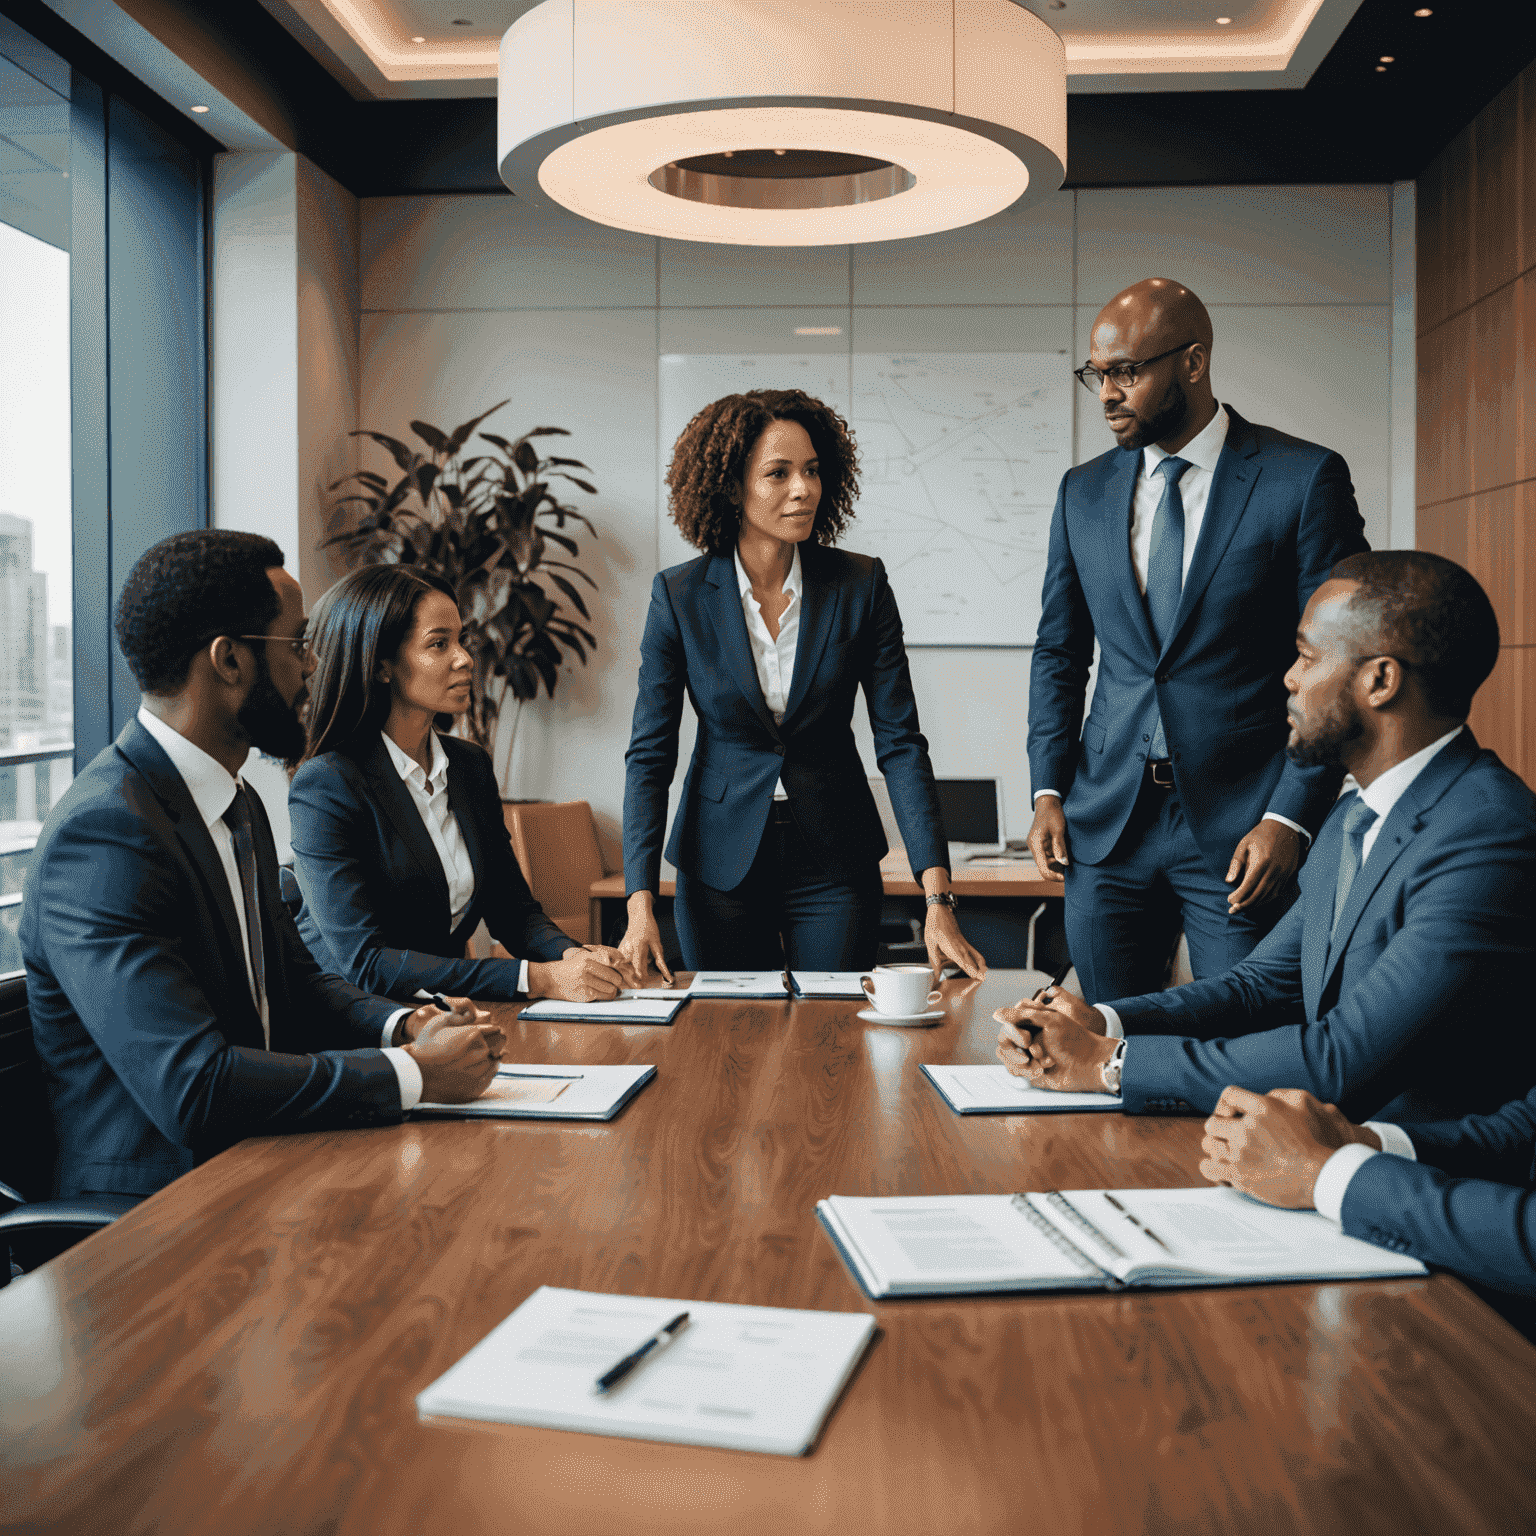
[1104, 373]
[300, 644]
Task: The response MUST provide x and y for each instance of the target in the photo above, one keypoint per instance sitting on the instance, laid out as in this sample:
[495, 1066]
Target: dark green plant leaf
[585, 485]
[460, 435]
[570, 592]
[557, 462]
[526, 458]
[548, 432]
[398, 451]
[568, 545]
[575, 570]
[435, 440]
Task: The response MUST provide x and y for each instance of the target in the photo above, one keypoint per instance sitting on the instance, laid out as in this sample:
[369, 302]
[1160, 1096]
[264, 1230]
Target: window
[36, 646]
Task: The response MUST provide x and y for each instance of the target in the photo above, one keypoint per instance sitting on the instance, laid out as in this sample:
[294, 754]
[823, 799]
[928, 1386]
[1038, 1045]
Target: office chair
[557, 847]
[33, 1227]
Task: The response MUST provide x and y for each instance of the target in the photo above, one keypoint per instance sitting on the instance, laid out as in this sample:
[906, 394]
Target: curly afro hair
[187, 590]
[710, 459]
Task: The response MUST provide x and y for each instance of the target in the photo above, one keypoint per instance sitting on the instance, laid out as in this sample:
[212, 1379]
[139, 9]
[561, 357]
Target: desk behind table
[998, 903]
[240, 1354]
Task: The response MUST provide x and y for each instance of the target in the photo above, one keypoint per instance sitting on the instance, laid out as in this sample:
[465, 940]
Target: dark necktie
[238, 819]
[1165, 569]
[1357, 822]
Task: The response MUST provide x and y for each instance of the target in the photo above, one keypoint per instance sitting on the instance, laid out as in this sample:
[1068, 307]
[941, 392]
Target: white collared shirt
[429, 794]
[1386, 789]
[773, 659]
[212, 788]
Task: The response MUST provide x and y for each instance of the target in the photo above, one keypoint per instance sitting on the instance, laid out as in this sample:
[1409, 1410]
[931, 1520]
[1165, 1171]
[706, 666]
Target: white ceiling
[1112, 45]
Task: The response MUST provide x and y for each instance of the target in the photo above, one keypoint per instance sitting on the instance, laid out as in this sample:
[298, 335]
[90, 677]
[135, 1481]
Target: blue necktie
[1357, 822]
[1165, 569]
[238, 819]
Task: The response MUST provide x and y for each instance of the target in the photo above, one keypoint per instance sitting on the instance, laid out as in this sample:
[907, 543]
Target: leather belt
[1160, 772]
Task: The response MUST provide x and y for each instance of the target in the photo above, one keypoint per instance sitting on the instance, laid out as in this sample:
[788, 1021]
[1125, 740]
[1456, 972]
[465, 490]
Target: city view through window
[36, 686]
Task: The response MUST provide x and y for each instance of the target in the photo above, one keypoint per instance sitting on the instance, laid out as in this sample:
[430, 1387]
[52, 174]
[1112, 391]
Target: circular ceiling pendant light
[782, 122]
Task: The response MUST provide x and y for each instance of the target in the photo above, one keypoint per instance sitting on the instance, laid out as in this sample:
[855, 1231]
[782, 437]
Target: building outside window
[36, 673]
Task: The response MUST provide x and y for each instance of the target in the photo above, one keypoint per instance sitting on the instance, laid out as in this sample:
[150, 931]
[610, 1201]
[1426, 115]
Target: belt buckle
[1161, 766]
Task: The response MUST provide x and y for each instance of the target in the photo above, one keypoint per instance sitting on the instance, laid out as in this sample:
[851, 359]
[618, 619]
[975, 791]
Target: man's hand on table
[464, 1012]
[581, 975]
[458, 1060]
[1058, 1042]
[1273, 1145]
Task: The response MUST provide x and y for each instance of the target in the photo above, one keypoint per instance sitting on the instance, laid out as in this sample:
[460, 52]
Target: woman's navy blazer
[696, 644]
[375, 895]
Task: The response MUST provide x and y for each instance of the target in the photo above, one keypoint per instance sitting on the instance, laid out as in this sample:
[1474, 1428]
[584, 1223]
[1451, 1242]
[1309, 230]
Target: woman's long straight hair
[362, 620]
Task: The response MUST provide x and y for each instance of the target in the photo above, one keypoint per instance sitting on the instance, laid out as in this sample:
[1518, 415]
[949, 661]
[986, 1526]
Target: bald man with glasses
[1187, 554]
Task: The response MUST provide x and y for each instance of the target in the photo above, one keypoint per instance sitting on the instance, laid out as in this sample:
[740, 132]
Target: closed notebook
[994, 1090]
[746, 1378]
[830, 984]
[647, 1007]
[738, 984]
[1090, 1239]
[522, 1091]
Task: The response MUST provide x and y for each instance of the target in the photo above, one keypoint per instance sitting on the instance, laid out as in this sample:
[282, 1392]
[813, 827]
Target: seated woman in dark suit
[771, 633]
[399, 843]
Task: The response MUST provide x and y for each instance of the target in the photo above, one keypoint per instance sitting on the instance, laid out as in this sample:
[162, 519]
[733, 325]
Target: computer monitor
[972, 811]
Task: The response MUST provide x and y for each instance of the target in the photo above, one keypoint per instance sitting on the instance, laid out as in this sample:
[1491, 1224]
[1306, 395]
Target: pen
[790, 984]
[663, 1336]
[1061, 976]
[1136, 1223]
[556, 1077]
[441, 1001]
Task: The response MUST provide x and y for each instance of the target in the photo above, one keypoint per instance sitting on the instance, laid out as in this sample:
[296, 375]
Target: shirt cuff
[387, 1037]
[1285, 821]
[1039, 792]
[1113, 1027]
[1328, 1192]
[1394, 1139]
[409, 1075]
[522, 977]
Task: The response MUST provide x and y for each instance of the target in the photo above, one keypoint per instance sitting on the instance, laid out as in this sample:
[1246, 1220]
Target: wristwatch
[1110, 1071]
[944, 899]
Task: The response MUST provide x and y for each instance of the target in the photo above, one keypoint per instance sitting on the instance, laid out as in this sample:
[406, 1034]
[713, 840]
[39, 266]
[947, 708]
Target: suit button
[1146, 738]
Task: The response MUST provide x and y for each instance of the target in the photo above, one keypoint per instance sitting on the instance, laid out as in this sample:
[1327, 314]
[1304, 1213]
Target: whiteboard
[960, 454]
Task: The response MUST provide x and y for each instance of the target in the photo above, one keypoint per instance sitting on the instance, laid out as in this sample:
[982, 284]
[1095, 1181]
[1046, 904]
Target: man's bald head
[1152, 350]
[1151, 316]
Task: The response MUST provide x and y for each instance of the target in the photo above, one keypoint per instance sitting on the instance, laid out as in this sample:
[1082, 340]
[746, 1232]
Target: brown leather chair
[557, 847]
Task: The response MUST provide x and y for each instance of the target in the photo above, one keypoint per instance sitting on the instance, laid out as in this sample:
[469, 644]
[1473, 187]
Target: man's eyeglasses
[299, 644]
[1121, 375]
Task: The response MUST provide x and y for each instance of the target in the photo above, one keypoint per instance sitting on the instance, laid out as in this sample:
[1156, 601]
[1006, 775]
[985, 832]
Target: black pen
[1061, 976]
[663, 1336]
[1137, 1223]
[790, 984]
[442, 1002]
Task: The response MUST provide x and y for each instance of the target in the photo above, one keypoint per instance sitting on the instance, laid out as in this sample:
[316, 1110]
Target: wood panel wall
[1477, 391]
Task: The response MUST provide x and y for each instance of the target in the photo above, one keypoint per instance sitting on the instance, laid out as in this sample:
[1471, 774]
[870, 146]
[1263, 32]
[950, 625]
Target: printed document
[994, 1090]
[745, 1378]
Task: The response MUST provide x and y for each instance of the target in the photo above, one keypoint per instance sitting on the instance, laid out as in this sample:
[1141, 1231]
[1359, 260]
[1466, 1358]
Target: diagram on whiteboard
[960, 453]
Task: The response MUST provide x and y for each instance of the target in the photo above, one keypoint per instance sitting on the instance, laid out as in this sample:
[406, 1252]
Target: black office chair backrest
[28, 1147]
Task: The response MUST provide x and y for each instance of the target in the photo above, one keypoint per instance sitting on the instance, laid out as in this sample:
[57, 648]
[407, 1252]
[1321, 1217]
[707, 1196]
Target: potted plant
[492, 526]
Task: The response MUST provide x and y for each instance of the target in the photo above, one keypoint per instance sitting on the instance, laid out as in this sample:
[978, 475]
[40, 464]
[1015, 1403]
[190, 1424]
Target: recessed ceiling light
[418, 39]
[1387, 58]
[199, 109]
[1381, 69]
[1423, 10]
[1223, 21]
[818, 330]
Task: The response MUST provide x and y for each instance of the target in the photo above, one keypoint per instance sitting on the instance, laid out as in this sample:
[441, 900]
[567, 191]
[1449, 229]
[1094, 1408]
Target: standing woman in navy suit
[770, 633]
[399, 843]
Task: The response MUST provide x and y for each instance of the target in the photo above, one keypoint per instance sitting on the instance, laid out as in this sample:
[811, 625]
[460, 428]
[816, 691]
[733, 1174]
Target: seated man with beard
[174, 1006]
[1400, 982]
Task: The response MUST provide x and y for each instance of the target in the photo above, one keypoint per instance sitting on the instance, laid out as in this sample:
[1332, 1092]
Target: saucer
[871, 1017]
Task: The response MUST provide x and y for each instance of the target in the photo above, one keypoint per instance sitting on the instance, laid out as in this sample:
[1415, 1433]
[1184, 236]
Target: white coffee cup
[899, 991]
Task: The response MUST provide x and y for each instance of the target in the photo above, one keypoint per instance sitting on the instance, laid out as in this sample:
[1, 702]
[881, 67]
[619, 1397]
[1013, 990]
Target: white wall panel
[1238, 245]
[693, 274]
[498, 253]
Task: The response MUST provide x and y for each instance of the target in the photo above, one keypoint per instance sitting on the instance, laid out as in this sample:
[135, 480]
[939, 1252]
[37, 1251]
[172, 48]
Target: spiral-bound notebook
[1090, 1239]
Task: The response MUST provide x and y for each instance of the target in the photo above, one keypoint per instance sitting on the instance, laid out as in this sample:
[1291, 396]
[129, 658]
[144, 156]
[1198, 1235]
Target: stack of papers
[650, 1005]
[1090, 1239]
[996, 1091]
[524, 1091]
[746, 1378]
[810, 984]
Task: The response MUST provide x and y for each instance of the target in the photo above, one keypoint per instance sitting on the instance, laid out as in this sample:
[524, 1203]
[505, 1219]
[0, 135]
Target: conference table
[241, 1353]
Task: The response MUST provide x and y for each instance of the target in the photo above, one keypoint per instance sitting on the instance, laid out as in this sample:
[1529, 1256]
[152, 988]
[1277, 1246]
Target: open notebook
[649, 1005]
[529, 1091]
[994, 1090]
[1090, 1239]
[810, 984]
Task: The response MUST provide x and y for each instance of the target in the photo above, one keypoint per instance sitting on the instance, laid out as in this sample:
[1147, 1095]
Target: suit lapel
[1231, 486]
[1119, 496]
[146, 755]
[1404, 823]
[461, 801]
[392, 794]
[730, 625]
[818, 607]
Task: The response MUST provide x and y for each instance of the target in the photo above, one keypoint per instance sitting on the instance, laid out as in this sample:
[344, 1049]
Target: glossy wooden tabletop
[240, 1354]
